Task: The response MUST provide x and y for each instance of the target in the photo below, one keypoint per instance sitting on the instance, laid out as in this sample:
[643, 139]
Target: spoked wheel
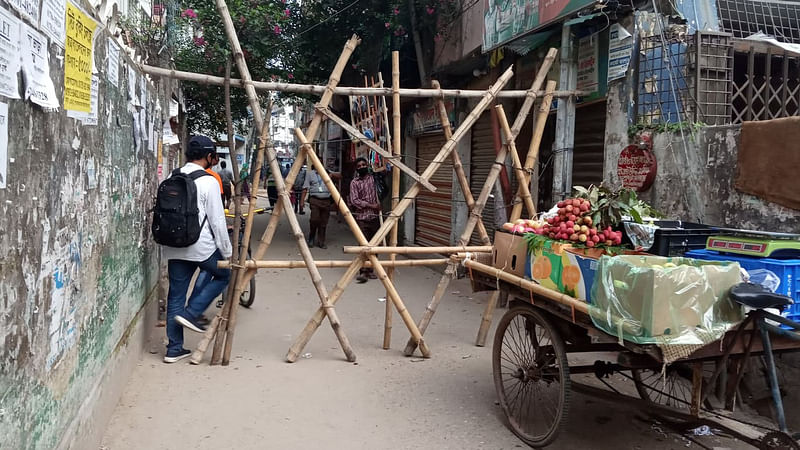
[531, 375]
[672, 389]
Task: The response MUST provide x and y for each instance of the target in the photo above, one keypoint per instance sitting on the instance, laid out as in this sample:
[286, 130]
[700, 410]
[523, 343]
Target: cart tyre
[249, 296]
[778, 440]
[521, 392]
[677, 392]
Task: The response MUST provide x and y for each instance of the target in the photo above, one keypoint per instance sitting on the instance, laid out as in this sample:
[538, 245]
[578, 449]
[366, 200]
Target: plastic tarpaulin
[680, 304]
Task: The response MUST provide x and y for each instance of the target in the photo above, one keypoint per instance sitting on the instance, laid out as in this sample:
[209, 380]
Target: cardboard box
[563, 268]
[510, 253]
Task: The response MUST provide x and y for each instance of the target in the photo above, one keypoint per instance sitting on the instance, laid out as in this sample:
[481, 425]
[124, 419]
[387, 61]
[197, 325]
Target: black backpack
[175, 215]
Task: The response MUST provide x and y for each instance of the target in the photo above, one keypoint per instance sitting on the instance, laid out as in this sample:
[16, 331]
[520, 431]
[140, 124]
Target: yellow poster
[78, 60]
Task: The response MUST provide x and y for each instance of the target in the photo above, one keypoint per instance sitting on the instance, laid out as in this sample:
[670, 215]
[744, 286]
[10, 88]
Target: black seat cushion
[759, 297]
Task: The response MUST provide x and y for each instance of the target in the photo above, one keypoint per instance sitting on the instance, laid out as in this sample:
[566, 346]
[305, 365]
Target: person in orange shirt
[211, 172]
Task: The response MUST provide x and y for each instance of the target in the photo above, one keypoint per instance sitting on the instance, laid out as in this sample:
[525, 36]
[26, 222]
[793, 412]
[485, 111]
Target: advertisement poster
[113, 62]
[36, 69]
[620, 44]
[52, 24]
[9, 54]
[28, 9]
[91, 117]
[78, 60]
[504, 20]
[587, 64]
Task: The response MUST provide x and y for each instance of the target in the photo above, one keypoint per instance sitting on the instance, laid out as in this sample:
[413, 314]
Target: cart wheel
[531, 375]
[673, 389]
[778, 440]
[248, 294]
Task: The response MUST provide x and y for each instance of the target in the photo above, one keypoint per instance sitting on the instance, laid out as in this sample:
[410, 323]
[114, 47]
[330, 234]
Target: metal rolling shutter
[434, 209]
[481, 161]
[587, 159]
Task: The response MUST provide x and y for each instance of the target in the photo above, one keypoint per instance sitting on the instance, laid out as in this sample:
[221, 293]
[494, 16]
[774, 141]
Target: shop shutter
[590, 131]
[434, 209]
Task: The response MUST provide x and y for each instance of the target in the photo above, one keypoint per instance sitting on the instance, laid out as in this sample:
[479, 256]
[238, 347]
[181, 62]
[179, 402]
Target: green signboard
[504, 20]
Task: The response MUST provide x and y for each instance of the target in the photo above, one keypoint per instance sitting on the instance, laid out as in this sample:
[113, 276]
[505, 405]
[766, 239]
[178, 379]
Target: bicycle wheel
[672, 389]
[531, 375]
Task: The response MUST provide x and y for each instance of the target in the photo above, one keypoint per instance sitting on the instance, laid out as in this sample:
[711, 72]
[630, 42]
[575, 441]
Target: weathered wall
[696, 174]
[78, 265]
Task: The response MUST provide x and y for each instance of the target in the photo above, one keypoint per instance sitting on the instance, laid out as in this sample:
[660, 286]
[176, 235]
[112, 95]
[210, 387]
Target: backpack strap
[198, 173]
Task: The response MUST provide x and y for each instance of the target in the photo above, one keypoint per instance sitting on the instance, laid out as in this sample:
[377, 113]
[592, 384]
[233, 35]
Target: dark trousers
[369, 228]
[272, 194]
[318, 222]
[298, 201]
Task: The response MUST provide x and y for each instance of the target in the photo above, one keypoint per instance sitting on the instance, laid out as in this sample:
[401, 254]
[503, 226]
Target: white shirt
[209, 204]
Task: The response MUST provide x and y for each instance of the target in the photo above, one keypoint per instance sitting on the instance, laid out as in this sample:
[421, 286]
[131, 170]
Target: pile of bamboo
[366, 252]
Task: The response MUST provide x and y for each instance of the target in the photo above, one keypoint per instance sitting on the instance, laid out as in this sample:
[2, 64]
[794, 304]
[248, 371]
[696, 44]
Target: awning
[525, 45]
[582, 19]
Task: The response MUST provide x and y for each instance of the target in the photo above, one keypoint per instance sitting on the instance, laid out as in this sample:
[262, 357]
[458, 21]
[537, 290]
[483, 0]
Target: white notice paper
[28, 9]
[9, 54]
[113, 62]
[619, 51]
[173, 108]
[3, 144]
[36, 69]
[167, 136]
[587, 64]
[134, 100]
[91, 174]
[54, 20]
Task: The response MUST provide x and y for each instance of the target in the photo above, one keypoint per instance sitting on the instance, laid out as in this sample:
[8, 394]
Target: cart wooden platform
[542, 328]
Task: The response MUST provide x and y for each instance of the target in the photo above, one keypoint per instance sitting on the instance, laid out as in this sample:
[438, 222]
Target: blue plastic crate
[788, 270]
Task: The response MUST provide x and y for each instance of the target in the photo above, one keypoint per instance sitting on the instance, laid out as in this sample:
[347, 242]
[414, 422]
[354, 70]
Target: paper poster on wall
[3, 145]
[620, 44]
[9, 54]
[36, 69]
[112, 50]
[91, 175]
[587, 64]
[143, 92]
[132, 97]
[89, 118]
[173, 108]
[53, 20]
[78, 60]
[28, 9]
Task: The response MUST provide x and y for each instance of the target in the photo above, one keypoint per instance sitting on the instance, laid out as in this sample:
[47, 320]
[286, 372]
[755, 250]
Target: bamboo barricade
[283, 194]
[530, 164]
[393, 141]
[359, 235]
[477, 209]
[344, 91]
[348, 276]
[332, 264]
[518, 169]
[351, 249]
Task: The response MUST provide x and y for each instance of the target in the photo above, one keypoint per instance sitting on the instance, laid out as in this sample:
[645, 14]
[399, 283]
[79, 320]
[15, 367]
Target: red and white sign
[637, 168]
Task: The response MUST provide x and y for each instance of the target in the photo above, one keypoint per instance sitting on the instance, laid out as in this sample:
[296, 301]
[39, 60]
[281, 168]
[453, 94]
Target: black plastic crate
[675, 238]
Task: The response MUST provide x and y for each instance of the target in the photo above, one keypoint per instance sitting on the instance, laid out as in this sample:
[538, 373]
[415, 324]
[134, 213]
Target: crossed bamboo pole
[476, 209]
[395, 215]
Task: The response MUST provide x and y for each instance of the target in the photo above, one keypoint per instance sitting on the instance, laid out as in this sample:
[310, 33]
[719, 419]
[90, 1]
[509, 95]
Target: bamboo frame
[348, 276]
[334, 264]
[477, 208]
[356, 249]
[346, 91]
[395, 147]
[518, 169]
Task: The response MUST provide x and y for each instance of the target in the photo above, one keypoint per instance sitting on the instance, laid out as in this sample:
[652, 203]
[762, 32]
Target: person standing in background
[299, 193]
[227, 184]
[365, 207]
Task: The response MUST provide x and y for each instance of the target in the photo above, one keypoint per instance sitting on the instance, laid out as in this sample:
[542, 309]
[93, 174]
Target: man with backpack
[189, 223]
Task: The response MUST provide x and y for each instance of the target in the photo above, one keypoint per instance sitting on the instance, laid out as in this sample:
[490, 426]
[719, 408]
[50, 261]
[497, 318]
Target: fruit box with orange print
[563, 268]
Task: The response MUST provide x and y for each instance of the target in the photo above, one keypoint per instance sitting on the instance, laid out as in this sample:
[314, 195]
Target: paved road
[385, 401]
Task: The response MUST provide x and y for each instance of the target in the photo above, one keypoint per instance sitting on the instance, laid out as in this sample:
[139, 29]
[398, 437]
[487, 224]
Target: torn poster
[91, 174]
[620, 43]
[78, 60]
[173, 108]
[28, 9]
[132, 97]
[3, 145]
[9, 54]
[53, 20]
[168, 136]
[112, 51]
[36, 69]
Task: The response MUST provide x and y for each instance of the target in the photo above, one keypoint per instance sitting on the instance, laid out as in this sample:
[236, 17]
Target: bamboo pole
[518, 169]
[475, 213]
[377, 148]
[394, 147]
[281, 186]
[356, 249]
[536, 140]
[359, 235]
[320, 90]
[530, 164]
[313, 129]
[333, 264]
[314, 322]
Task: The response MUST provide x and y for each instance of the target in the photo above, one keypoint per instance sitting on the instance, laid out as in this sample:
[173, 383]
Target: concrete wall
[78, 267]
[696, 174]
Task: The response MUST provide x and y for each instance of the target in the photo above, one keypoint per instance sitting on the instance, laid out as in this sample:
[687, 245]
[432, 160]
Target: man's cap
[203, 143]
